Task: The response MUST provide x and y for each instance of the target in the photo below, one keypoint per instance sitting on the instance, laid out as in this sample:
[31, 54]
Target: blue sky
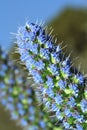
[14, 13]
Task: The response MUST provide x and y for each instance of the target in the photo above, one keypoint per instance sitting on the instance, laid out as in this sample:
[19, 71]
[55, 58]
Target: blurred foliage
[22, 101]
[71, 28]
[5, 121]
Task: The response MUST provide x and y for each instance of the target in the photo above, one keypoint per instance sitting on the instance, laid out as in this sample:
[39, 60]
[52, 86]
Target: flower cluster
[64, 91]
[20, 99]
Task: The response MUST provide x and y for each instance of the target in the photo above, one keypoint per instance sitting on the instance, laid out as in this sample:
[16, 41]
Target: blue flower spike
[52, 71]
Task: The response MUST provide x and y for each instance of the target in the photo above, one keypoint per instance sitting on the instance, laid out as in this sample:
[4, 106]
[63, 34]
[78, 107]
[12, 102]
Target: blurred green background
[5, 121]
[70, 27]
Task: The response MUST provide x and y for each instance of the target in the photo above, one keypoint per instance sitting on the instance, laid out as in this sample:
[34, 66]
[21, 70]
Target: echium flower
[64, 91]
[20, 99]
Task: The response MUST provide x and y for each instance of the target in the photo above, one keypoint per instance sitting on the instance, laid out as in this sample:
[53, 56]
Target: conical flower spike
[64, 91]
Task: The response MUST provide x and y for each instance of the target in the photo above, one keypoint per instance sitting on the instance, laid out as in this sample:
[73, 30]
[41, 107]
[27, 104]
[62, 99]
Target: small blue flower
[2, 94]
[22, 47]
[31, 110]
[29, 91]
[10, 99]
[4, 67]
[39, 65]
[71, 102]
[33, 27]
[48, 44]
[79, 127]
[30, 62]
[31, 118]
[34, 48]
[25, 56]
[80, 78]
[21, 32]
[2, 85]
[31, 36]
[67, 112]
[58, 49]
[74, 87]
[42, 39]
[59, 115]
[83, 105]
[14, 116]
[37, 77]
[50, 92]
[66, 62]
[23, 122]
[66, 71]
[19, 105]
[30, 100]
[66, 124]
[4, 102]
[54, 69]
[49, 82]
[58, 99]
[62, 84]
[19, 80]
[34, 127]
[55, 108]
[44, 53]
[47, 104]
[11, 81]
[21, 96]
[42, 124]
[55, 57]
[21, 112]
[2, 73]
[78, 117]
[10, 90]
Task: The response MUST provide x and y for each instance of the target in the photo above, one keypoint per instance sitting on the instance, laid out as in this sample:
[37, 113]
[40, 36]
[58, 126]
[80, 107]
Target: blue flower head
[51, 70]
